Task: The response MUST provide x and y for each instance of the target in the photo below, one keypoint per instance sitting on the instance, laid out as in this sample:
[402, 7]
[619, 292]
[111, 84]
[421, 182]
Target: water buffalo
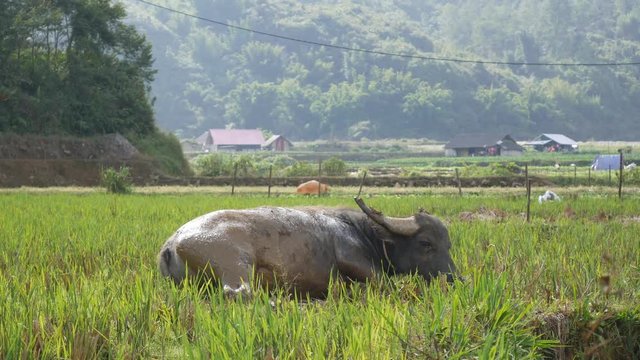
[304, 247]
[311, 188]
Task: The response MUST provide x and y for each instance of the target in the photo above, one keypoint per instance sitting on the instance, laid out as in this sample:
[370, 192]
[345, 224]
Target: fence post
[319, 177]
[458, 181]
[269, 189]
[233, 183]
[621, 168]
[528, 200]
[527, 186]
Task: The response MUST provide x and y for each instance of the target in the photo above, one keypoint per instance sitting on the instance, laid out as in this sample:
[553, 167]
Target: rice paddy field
[78, 279]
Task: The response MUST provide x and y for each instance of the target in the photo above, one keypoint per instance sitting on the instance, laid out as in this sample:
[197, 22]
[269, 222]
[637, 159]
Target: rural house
[553, 143]
[482, 145]
[277, 143]
[231, 140]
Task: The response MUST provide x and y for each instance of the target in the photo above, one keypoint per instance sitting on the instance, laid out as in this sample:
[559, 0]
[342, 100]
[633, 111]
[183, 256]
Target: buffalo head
[419, 243]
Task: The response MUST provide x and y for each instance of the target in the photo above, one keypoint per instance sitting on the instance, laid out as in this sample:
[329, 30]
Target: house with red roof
[231, 140]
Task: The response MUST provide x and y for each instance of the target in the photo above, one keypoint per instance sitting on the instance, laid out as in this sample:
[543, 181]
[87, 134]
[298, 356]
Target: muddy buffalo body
[303, 248]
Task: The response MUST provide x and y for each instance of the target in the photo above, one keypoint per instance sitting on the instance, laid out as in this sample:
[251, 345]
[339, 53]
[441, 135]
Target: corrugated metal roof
[481, 141]
[236, 136]
[203, 137]
[538, 142]
[559, 138]
[274, 138]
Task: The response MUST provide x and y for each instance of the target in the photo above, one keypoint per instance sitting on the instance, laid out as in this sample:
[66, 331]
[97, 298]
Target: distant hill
[215, 76]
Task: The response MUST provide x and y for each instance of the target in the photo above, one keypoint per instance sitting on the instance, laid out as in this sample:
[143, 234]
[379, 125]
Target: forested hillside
[72, 65]
[215, 76]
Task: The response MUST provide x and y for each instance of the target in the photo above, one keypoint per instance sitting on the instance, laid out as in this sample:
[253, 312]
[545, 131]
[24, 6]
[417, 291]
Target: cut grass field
[79, 280]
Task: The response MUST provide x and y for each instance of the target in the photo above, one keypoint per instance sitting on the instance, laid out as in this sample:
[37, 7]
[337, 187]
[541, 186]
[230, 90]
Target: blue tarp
[606, 162]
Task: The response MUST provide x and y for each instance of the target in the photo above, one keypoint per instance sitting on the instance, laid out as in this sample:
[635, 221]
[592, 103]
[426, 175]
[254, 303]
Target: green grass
[79, 280]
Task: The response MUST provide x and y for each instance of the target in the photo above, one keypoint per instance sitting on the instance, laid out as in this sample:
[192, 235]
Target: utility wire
[376, 52]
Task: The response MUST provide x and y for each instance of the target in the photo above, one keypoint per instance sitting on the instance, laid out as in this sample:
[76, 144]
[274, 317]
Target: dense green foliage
[116, 181]
[73, 67]
[259, 165]
[213, 76]
[81, 282]
[217, 164]
[165, 149]
[334, 166]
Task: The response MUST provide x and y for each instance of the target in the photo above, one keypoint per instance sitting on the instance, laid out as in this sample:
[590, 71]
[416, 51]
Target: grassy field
[79, 280]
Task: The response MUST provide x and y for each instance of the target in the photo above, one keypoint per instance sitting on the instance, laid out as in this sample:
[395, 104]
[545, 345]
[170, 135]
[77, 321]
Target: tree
[73, 67]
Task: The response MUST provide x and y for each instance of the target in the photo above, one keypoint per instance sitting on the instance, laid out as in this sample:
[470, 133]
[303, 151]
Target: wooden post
[526, 175]
[458, 180]
[269, 189]
[233, 183]
[528, 200]
[575, 175]
[319, 177]
[621, 168]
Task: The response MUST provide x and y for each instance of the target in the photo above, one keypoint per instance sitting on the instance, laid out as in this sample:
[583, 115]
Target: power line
[384, 53]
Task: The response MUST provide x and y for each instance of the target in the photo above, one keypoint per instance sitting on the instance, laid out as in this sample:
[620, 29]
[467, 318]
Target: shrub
[411, 173]
[334, 166]
[116, 182]
[505, 169]
[282, 161]
[245, 164]
[166, 150]
[216, 164]
[472, 171]
[301, 168]
[631, 176]
[278, 163]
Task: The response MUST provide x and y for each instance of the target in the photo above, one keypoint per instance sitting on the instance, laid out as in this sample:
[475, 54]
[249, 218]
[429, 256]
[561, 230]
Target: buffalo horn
[403, 226]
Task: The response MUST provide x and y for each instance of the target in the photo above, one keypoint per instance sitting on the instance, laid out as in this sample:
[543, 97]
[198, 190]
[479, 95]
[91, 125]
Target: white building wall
[450, 152]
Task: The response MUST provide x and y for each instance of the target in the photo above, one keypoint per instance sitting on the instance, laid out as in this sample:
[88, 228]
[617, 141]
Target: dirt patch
[607, 335]
[64, 161]
[483, 214]
[631, 220]
[602, 217]
[108, 147]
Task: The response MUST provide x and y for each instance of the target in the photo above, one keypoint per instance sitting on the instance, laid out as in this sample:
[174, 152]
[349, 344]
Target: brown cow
[304, 247]
[311, 188]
